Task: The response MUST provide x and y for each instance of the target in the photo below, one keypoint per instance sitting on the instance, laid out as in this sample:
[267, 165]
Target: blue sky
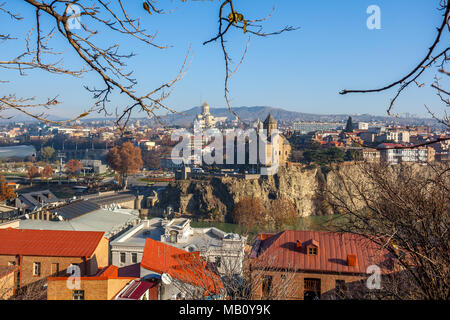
[302, 70]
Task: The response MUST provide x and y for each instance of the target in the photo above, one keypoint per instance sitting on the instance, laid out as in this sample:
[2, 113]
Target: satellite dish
[166, 278]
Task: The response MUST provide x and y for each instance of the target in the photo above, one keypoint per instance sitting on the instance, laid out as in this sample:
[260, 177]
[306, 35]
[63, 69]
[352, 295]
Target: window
[11, 263]
[122, 257]
[55, 268]
[134, 257]
[36, 269]
[312, 250]
[78, 294]
[266, 286]
[311, 289]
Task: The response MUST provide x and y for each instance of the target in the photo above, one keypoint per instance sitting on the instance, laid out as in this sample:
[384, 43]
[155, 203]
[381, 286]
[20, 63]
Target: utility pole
[60, 156]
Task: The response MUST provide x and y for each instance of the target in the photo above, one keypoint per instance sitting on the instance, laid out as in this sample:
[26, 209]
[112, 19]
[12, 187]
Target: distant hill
[185, 118]
[253, 113]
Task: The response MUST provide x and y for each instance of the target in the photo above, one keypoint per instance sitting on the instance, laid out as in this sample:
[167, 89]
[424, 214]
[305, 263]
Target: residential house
[39, 254]
[32, 200]
[296, 264]
[104, 285]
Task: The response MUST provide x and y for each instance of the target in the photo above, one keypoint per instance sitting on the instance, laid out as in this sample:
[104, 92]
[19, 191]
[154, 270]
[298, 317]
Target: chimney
[299, 245]
[264, 236]
[351, 260]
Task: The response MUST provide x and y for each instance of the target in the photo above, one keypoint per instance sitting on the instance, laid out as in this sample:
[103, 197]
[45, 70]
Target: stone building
[283, 147]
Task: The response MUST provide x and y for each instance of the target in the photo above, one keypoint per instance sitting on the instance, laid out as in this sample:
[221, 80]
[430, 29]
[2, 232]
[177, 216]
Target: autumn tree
[73, 167]
[250, 213]
[32, 172]
[126, 159]
[152, 158]
[6, 192]
[282, 214]
[47, 172]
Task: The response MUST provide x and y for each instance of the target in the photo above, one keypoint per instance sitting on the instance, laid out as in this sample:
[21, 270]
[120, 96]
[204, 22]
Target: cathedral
[205, 119]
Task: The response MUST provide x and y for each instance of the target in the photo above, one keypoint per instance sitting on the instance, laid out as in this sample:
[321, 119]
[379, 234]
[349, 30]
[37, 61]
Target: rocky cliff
[214, 198]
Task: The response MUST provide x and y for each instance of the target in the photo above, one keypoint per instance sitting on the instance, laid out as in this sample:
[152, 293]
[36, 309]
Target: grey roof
[110, 222]
[108, 199]
[31, 199]
[75, 209]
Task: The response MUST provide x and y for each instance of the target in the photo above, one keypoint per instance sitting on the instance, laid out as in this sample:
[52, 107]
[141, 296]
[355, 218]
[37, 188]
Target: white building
[362, 126]
[391, 155]
[205, 119]
[224, 250]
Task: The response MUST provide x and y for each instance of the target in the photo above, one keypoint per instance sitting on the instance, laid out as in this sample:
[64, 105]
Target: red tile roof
[185, 266]
[279, 251]
[55, 243]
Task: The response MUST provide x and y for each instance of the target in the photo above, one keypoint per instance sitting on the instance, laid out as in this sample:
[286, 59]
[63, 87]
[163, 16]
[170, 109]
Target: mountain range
[185, 118]
[253, 113]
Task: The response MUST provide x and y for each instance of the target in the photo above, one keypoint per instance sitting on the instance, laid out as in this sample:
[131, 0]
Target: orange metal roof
[182, 265]
[280, 251]
[55, 243]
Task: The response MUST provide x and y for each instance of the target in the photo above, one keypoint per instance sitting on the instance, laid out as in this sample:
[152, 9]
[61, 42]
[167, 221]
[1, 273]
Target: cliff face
[215, 198]
[305, 187]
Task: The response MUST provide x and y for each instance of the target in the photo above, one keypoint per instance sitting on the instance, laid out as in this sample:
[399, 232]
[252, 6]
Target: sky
[301, 70]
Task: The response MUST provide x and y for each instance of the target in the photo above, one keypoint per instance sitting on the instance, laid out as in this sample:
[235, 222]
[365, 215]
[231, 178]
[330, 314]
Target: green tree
[47, 154]
[353, 155]
[349, 125]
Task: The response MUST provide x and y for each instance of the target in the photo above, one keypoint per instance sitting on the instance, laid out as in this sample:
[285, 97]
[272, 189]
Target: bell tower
[270, 124]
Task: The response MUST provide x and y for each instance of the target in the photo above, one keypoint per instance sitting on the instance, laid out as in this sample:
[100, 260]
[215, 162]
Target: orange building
[312, 264]
[38, 254]
[105, 285]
